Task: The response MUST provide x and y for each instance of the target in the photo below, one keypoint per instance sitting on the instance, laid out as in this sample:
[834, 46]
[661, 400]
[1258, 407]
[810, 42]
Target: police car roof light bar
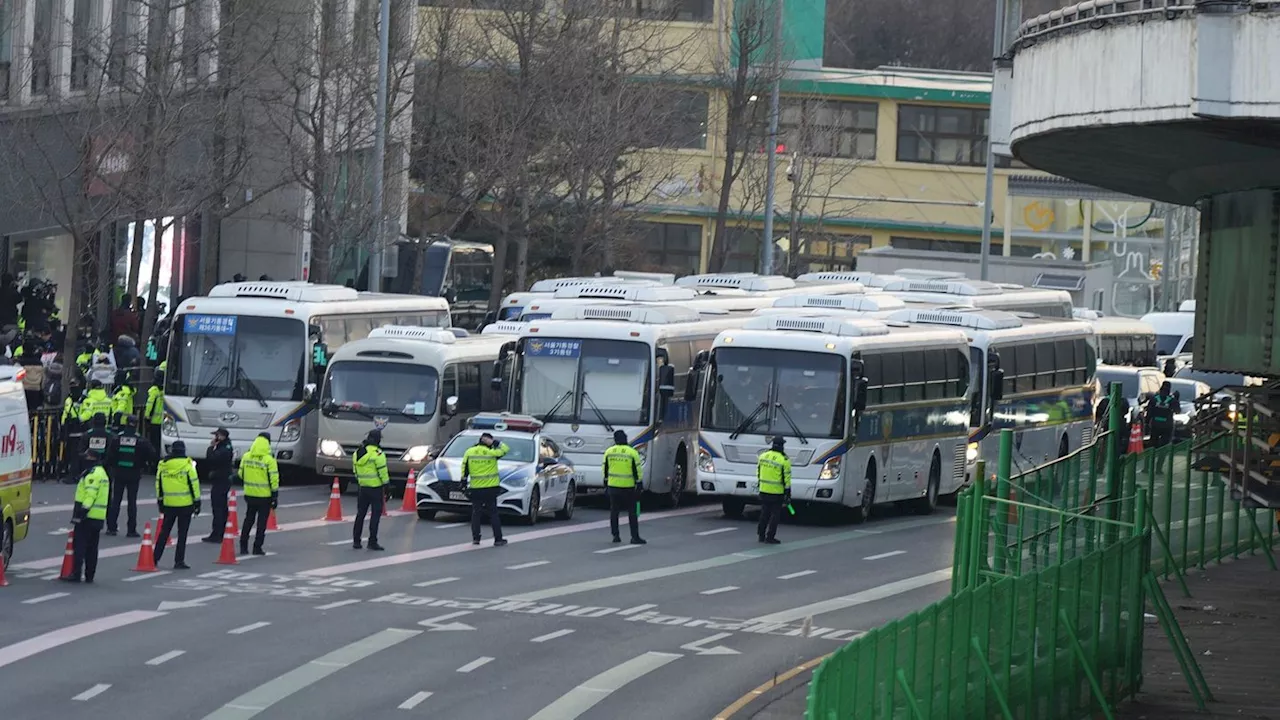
[502, 421]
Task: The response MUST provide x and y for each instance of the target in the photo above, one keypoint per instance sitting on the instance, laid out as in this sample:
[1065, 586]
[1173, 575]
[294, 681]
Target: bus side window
[871, 365]
[1045, 365]
[449, 385]
[936, 375]
[1065, 360]
[490, 399]
[891, 373]
[913, 376]
[469, 389]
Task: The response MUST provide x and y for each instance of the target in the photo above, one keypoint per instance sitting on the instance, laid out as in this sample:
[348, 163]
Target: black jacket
[128, 453]
[217, 463]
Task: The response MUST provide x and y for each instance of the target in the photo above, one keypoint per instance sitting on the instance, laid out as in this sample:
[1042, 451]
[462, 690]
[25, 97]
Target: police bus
[984, 295]
[594, 369]
[417, 385]
[1034, 376]
[513, 305]
[249, 357]
[871, 413]
[15, 461]
[1122, 341]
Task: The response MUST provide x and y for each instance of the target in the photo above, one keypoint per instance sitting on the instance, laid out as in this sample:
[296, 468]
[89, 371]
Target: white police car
[534, 475]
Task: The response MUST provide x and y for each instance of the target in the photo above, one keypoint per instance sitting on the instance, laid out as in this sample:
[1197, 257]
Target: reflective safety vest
[259, 471]
[97, 402]
[480, 465]
[773, 470]
[93, 491]
[371, 467]
[122, 400]
[177, 484]
[155, 405]
[621, 466]
[70, 410]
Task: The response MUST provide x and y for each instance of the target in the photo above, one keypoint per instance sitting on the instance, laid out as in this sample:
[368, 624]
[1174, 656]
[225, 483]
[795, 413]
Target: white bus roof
[1121, 326]
[841, 326]
[1187, 306]
[304, 300]
[505, 327]
[401, 349]
[628, 292]
[944, 287]
[640, 314]
[849, 335]
[412, 332]
[869, 302]
[847, 276]
[738, 281]
[995, 324]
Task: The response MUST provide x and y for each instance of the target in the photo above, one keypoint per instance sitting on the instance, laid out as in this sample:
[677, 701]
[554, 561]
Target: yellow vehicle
[15, 461]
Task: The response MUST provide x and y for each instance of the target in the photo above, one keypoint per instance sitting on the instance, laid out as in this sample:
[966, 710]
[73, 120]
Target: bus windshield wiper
[254, 391]
[794, 427]
[204, 389]
[750, 419]
[550, 413]
[596, 409]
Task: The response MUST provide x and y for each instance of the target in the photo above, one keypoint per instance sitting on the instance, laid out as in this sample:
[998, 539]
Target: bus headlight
[168, 427]
[416, 454]
[830, 469]
[330, 448]
[704, 461]
[291, 431]
[971, 452]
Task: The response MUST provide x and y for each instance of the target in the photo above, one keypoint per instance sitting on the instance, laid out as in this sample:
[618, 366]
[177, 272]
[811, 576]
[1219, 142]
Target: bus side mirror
[309, 392]
[495, 380]
[666, 381]
[451, 405]
[859, 394]
[506, 350]
[997, 384]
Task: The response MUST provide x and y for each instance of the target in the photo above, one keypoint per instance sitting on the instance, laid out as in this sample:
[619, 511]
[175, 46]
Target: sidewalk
[1232, 623]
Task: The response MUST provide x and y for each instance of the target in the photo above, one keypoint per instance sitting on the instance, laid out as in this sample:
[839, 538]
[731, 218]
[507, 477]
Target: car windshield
[403, 391]
[590, 382]
[237, 356]
[785, 392]
[1188, 390]
[1128, 381]
[1215, 381]
[520, 448]
[1167, 344]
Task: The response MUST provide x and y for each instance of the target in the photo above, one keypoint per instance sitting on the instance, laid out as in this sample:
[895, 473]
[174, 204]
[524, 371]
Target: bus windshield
[237, 356]
[785, 392]
[1167, 344]
[400, 391]
[591, 382]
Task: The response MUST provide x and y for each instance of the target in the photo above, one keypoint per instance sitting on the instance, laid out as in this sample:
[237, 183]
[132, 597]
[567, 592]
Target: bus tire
[678, 476]
[733, 508]
[929, 502]
[862, 513]
[6, 543]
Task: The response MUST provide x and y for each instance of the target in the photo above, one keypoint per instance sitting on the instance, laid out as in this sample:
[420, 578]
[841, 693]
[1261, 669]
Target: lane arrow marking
[438, 624]
[168, 605]
[701, 648]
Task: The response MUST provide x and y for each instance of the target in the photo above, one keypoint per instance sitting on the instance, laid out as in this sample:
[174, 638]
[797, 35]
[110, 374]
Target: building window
[685, 10]
[680, 120]
[959, 246]
[193, 38]
[942, 135]
[120, 50]
[674, 247]
[6, 49]
[744, 250]
[364, 27]
[825, 253]
[41, 46]
[828, 128]
[82, 24]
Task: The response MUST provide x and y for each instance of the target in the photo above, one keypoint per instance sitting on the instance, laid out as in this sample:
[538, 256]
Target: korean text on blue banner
[554, 348]
[209, 324]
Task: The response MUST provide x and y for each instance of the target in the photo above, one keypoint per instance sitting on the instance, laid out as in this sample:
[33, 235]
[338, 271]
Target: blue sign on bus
[553, 348]
[209, 324]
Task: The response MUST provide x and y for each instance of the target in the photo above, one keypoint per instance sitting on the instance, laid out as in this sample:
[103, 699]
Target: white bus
[985, 295]
[417, 385]
[250, 355]
[513, 305]
[1033, 376]
[871, 414]
[594, 369]
[1175, 331]
[1121, 340]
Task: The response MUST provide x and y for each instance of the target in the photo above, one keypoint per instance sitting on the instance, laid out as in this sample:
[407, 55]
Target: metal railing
[1096, 14]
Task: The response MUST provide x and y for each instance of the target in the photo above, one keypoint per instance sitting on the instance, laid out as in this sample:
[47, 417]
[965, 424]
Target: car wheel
[733, 508]
[6, 544]
[862, 513]
[676, 493]
[927, 504]
[566, 513]
[425, 514]
[535, 506]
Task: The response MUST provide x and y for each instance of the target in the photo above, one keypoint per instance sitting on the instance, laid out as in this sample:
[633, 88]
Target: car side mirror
[546, 462]
[451, 405]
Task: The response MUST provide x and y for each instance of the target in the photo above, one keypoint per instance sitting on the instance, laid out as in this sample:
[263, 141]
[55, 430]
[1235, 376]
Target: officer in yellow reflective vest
[154, 410]
[92, 496]
[773, 470]
[480, 474]
[96, 402]
[622, 476]
[261, 476]
[371, 474]
[121, 399]
[178, 493]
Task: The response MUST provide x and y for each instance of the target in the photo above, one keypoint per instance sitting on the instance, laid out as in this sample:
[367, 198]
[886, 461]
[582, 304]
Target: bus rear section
[15, 462]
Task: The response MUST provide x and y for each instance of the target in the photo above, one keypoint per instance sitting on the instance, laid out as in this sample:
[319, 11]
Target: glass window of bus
[449, 381]
[871, 369]
[977, 379]
[1065, 362]
[810, 388]
[1046, 365]
[913, 376]
[469, 390]
[681, 359]
[1025, 362]
[935, 374]
[614, 374]
[1186, 346]
[1085, 369]
[334, 330]
[1167, 344]
[891, 378]
[395, 387]
[267, 352]
[358, 327]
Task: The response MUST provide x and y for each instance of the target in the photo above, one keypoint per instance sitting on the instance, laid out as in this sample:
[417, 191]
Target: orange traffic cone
[69, 556]
[334, 513]
[1135, 439]
[410, 494]
[3, 581]
[271, 520]
[159, 525]
[228, 554]
[232, 514]
[146, 553]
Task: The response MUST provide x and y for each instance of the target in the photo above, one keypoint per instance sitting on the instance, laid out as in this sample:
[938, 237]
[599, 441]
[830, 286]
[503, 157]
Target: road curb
[760, 693]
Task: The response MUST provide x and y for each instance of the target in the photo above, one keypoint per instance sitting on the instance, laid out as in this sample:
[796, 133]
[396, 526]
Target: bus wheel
[6, 543]
[733, 508]
[676, 494]
[862, 513]
[927, 504]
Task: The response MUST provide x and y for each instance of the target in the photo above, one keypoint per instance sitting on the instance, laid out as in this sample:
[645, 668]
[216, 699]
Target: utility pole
[795, 174]
[997, 49]
[770, 187]
[380, 149]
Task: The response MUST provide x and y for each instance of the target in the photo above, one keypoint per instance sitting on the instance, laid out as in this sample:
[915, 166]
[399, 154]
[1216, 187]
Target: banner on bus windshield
[209, 324]
[554, 348]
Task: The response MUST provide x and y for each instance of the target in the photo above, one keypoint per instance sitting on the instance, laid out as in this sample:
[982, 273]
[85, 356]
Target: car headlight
[1231, 407]
[516, 481]
[830, 469]
[416, 454]
[292, 431]
[168, 427]
[331, 448]
[971, 452]
[704, 461]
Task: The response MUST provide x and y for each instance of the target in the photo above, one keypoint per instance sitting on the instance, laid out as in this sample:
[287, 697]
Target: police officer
[480, 474]
[371, 474]
[92, 495]
[98, 436]
[622, 476]
[217, 464]
[121, 399]
[154, 410]
[178, 494]
[261, 477]
[1161, 408]
[96, 402]
[127, 454]
[72, 432]
[773, 470]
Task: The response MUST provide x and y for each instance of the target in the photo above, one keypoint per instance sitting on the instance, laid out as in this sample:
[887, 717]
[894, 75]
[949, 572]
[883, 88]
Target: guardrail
[1097, 13]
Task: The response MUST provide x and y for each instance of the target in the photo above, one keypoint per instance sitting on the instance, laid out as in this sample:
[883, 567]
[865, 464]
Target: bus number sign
[209, 324]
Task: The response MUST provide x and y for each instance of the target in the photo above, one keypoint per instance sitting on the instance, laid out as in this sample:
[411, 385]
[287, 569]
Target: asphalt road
[559, 624]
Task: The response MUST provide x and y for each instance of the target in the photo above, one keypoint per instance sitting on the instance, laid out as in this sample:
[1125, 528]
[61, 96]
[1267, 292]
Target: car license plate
[457, 496]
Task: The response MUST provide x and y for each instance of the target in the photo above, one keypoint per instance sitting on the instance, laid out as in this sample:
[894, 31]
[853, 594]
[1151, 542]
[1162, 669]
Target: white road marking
[882, 592]
[339, 542]
[475, 664]
[255, 557]
[450, 526]
[701, 647]
[414, 701]
[437, 581]
[248, 628]
[717, 591]
[438, 624]
[616, 548]
[273, 691]
[882, 556]
[144, 576]
[302, 504]
[338, 604]
[551, 636]
[717, 531]
[92, 692]
[162, 659]
[10, 654]
[794, 575]
[575, 703]
[636, 609]
[523, 566]
[44, 598]
[60, 531]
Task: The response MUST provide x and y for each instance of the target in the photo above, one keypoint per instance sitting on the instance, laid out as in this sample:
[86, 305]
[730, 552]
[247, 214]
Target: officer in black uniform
[127, 454]
[97, 436]
[72, 432]
[217, 463]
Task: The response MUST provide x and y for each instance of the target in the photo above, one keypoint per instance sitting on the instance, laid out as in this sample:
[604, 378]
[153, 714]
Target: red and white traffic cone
[410, 493]
[69, 557]
[334, 514]
[159, 526]
[271, 520]
[1135, 439]
[232, 514]
[228, 554]
[146, 552]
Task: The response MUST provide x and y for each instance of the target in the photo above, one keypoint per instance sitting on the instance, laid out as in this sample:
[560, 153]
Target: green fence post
[1266, 547]
[991, 678]
[1094, 684]
[977, 526]
[1186, 506]
[960, 553]
[1168, 503]
[1203, 547]
[911, 698]
[1003, 469]
[1113, 454]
